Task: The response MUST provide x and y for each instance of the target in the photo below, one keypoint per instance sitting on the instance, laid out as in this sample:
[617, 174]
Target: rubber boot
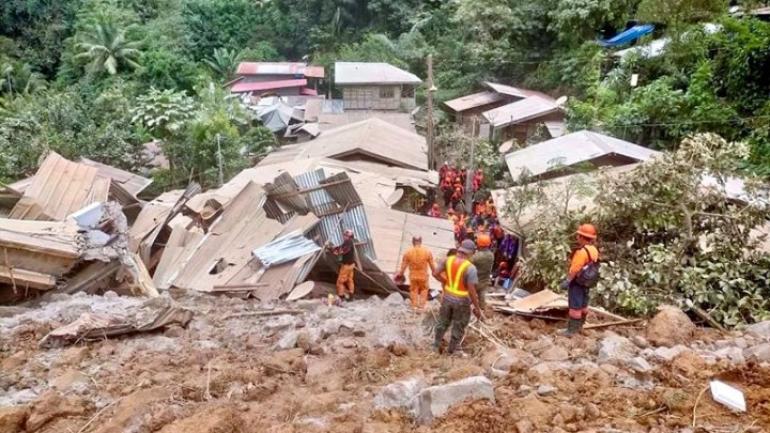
[573, 327]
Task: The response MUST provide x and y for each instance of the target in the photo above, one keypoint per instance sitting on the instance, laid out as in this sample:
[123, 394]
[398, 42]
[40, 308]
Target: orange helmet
[483, 240]
[587, 231]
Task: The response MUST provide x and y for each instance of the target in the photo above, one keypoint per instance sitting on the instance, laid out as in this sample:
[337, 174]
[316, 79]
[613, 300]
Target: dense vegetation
[101, 77]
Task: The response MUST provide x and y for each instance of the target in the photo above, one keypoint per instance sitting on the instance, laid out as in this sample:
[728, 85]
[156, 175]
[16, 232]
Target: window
[386, 93]
[407, 92]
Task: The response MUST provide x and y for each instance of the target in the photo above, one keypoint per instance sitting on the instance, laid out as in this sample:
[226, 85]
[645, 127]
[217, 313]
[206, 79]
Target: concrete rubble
[435, 401]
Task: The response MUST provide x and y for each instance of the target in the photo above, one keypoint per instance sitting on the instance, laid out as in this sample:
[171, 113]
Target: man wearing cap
[484, 260]
[345, 285]
[418, 259]
[459, 278]
[577, 295]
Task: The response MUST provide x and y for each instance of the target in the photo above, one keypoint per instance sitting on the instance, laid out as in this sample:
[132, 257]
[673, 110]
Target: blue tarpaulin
[627, 36]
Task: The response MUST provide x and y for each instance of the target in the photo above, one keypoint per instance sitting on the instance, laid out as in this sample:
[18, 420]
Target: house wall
[373, 97]
[522, 131]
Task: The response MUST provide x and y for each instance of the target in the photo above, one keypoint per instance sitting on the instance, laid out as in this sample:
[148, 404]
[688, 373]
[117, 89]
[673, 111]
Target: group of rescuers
[466, 276]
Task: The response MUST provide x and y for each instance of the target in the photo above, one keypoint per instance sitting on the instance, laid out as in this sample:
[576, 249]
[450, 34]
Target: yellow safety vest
[455, 285]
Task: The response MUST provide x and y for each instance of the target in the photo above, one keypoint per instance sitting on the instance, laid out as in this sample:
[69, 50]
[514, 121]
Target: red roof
[280, 68]
[308, 91]
[242, 87]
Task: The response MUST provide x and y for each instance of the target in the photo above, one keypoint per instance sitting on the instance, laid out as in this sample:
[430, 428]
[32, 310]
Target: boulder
[758, 353]
[761, 329]
[12, 419]
[640, 365]
[667, 354]
[394, 299]
[555, 353]
[670, 327]
[435, 401]
[616, 349]
[287, 341]
[733, 354]
[279, 323]
[52, 405]
[399, 394]
[545, 390]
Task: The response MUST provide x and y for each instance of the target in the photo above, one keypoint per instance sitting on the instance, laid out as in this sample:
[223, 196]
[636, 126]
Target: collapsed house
[503, 112]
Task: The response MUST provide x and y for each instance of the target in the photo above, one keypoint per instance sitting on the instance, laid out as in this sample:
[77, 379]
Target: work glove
[564, 285]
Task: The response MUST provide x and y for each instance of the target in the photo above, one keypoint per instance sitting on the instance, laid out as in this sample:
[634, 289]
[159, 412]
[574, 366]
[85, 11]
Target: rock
[733, 354]
[348, 343]
[14, 361]
[308, 338]
[741, 343]
[399, 394]
[330, 327]
[667, 354]
[435, 401]
[670, 327]
[158, 302]
[10, 310]
[640, 342]
[174, 331]
[555, 353]
[71, 381]
[758, 353]
[280, 323]
[398, 349]
[592, 411]
[761, 329]
[52, 405]
[530, 408]
[640, 365]
[616, 349]
[394, 299]
[13, 418]
[287, 341]
[545, 390]
[525, 426]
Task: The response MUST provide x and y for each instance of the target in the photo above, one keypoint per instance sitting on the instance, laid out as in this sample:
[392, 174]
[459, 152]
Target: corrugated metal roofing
[392, 233]
[59, 188]
[474, 100]
[132, 183]
[570, 149]
[329, 121]
[372, 139]
[284, 249]
[242, 87]
[518, 92]
[528, 108]
[346, 73]
[280, 68]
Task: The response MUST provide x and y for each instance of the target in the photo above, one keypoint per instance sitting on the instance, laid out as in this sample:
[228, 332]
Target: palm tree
[223, 63]
[20, 79]
[108, 48]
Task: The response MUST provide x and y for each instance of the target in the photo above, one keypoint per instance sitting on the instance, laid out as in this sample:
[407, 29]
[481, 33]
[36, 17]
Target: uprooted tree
[681, 228]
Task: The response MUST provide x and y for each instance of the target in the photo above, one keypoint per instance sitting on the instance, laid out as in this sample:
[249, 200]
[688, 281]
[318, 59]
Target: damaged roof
[392, 233]
[474, 100]
[59, 188]
[372, 139]
[517, 92]
[349, 73]
[520, 111]
[571, 149]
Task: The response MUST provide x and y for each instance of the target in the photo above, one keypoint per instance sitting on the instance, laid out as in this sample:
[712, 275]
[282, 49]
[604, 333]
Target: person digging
[582, 276]
[459, 278]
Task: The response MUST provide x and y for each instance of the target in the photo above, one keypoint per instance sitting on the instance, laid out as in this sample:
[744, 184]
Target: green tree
[223, 63]
[108, 49]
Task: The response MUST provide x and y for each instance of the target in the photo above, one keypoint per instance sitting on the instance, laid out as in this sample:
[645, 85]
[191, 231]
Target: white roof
[372, 73]
[528, 108]
[474, 100]
[570, 149]
[372, 138]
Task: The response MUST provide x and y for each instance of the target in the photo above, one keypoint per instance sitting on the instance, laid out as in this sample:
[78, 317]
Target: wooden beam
[25, 278]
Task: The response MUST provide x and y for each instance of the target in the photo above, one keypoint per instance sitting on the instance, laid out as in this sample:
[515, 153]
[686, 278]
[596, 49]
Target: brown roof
[523, 110]
[474, 100]
[133, 183]
[518, 92]
[371, 139]
[59, 188]
[329, 121]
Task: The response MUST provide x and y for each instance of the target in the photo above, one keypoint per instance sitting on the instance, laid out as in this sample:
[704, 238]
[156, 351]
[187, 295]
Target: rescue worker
[418, 259]
[484, 260]
[577, 295]
[435, 211]
[478, 180]
[459, 278]
[345, 285]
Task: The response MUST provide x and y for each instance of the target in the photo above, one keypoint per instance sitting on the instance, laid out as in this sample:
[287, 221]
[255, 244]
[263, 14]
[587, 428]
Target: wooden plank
[23, 278]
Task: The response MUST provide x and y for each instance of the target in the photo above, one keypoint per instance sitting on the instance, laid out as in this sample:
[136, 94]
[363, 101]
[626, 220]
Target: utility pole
[220, 160]
[429, 120]
[471, 170]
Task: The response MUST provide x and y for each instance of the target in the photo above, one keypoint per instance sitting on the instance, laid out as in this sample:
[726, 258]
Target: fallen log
[616, 323]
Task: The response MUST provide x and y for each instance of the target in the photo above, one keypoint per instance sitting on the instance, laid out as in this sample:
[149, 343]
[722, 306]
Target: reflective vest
[455, 271]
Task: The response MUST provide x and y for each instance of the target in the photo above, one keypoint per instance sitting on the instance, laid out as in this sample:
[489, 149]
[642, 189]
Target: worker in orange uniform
[459, 277]
[347, 251]
[582, 276]
[418, 259]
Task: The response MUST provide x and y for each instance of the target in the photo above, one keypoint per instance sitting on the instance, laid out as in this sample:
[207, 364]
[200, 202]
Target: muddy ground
[319, 369]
